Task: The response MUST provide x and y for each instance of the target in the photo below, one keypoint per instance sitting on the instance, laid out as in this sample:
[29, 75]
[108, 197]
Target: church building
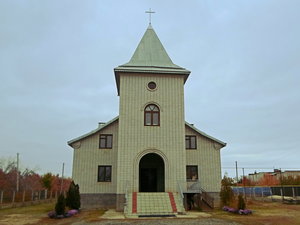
[148, 154]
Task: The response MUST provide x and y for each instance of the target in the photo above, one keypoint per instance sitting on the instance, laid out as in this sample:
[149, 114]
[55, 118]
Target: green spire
[150, 52]
[150, 56]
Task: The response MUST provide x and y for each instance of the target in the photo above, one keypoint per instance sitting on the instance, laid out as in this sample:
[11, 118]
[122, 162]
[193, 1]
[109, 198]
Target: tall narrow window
[105, 141]
[151, 115]
[190, 142]
[191, 173]
[104, 173]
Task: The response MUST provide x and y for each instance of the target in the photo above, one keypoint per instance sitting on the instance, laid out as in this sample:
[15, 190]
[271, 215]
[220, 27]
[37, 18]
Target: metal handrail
[181, 194]
[209, 200]
[126, 190]
[126, 197]
[180, 190]
[190, 186]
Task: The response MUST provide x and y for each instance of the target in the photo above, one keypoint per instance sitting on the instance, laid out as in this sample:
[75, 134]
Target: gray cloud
[57, 81]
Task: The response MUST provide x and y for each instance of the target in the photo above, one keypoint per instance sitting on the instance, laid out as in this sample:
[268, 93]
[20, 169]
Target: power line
[261, 168]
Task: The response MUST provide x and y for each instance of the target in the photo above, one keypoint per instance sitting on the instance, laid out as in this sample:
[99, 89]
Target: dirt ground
[264, 213]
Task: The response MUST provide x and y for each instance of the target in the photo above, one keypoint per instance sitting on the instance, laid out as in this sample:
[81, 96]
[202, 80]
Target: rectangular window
[104, 173]
[191, 173]
[147, 119]
[190, 142]
[155, 119]
[105, 141]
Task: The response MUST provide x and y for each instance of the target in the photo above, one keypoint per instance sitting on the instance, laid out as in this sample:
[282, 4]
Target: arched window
[151, 115]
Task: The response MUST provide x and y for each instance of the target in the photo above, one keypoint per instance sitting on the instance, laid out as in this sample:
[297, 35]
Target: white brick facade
[132, 140]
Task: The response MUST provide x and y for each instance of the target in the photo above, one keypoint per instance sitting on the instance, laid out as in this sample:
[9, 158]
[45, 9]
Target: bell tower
[151, 118]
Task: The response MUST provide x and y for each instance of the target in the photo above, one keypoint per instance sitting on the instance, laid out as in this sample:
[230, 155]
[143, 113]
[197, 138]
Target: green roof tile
[150, 52]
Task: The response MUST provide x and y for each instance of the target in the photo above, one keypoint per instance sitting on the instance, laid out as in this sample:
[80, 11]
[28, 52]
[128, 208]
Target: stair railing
[209, 200]
[126, 196]
[180, 191]
[195, 187]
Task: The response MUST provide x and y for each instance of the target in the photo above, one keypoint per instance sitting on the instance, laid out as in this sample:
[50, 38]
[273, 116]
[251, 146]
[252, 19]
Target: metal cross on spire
[150, 12]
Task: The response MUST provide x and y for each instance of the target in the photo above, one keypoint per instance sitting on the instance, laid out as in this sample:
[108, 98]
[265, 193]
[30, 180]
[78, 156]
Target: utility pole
[62, 178]
[17, 172]
[282, 190]
[244, 184]
[236, 172]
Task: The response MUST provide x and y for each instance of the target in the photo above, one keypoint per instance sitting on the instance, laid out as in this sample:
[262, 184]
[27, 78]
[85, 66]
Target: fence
[13, 198]
[291, 191]
[284, 191]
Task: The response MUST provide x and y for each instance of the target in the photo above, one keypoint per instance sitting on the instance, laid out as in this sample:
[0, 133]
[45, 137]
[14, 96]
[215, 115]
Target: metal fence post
[1, 197]
[293, 189]
[13, 198]
[23, 199]
[271, 194]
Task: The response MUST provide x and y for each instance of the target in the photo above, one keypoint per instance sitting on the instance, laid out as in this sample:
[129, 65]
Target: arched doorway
[151, 173]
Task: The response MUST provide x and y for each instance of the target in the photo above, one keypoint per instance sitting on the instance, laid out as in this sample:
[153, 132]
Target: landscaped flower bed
[70, 213]
[238, 211]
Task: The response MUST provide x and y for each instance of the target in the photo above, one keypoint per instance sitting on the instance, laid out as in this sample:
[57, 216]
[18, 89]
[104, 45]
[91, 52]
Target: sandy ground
[111, 217]
[18, 219]
[206, 221]
[264, 213]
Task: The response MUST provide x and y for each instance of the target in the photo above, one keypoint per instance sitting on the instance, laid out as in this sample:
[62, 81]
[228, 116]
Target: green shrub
[226, 193]
[60, 205]
[73, 196]
[47, 180]
[241, 202]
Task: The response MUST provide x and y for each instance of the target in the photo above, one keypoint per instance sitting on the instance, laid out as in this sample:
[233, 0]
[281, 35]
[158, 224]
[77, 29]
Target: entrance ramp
[153, 204]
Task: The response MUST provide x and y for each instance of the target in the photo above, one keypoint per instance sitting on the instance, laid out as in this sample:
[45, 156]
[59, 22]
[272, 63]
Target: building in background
[277, 174]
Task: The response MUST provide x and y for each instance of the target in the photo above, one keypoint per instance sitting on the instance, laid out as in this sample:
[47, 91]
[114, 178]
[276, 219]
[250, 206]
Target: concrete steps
[153, 204]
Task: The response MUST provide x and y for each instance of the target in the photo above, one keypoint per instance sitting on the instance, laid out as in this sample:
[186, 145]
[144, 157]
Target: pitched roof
[150, 56]
[116, 119]
[205, 135]
[151, 53]
[93, 131]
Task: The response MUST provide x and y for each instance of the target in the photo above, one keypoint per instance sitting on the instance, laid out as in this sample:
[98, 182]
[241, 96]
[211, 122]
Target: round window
[152, 85]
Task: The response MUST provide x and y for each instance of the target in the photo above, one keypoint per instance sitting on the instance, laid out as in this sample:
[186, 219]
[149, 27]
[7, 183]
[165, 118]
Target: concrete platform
[112, 214]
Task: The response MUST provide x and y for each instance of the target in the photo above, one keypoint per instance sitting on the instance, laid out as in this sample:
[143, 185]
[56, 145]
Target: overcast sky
[57, 80]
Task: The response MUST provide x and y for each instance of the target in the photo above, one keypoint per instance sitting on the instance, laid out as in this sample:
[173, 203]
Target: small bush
[226, 193]
[245, 211]
[73, 212]
[239, 211]
[73, 196]
[51, 214]
[229, 209]
[241, 202]
[60, 205]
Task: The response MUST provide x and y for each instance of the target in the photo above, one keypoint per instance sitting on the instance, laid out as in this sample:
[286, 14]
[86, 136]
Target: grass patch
[264, 213]
[33, 209]
[37, 214]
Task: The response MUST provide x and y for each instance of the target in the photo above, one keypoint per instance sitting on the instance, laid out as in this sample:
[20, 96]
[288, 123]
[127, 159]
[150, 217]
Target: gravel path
[206, 221]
